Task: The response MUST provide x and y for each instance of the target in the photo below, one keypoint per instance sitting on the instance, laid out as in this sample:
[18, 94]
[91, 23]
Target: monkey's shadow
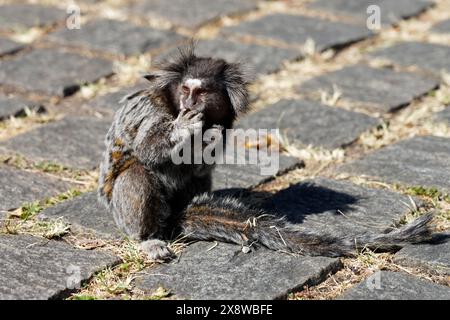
[296, 202]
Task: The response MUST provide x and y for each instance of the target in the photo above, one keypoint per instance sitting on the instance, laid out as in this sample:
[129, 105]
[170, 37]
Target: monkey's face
[212, 86]
[205, 95]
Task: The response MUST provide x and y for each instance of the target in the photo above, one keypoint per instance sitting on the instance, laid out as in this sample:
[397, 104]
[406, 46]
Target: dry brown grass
[117, 282]
[23, 220]
[17, 125]
[84, 180]
[356, 270]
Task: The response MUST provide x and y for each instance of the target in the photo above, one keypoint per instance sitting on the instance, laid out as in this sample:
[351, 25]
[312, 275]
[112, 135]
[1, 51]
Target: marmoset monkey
[152, 199]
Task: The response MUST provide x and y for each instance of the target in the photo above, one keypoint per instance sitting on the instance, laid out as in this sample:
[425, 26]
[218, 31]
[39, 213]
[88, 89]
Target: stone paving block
[296, 29]
[430, 57]
[110, 101]
[433, 257]
[338, 207]
[114, 36]
[379, 90]
[442, 27]
[21, 16]
[193, 15]
[391, 11]
[10, 106]
[443, 116]
[76, 142]
[420, 161]
[258, 59]
[8, 46]
[248, 175]
[85, 211]
[36, 269]
[306, 122]
[226, 273]
[53, 71]
[19, 186]
[387, 285]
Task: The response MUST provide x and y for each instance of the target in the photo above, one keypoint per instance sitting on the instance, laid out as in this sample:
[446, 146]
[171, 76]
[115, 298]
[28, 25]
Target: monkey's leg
[140, 210]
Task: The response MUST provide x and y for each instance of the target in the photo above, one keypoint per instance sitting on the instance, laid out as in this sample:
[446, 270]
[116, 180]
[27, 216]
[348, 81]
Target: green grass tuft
[433, 193]
[83, 297]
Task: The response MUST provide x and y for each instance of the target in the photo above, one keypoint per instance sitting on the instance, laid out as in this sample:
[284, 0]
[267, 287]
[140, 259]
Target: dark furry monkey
[153, 199]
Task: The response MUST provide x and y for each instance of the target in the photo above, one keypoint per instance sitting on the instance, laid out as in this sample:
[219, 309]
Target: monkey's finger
[197, 117]
[182, 113]
[191, 114]
[180, 116]
[197, 125]
[196, 120]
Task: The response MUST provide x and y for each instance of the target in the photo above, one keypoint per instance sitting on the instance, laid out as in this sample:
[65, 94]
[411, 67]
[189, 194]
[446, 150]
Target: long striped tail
[228, 220]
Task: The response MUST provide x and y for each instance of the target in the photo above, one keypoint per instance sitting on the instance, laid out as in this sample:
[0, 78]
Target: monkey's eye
[202, 92]
[185, 89]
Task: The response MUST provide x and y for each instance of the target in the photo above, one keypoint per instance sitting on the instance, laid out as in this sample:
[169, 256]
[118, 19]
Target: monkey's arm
[159, 135]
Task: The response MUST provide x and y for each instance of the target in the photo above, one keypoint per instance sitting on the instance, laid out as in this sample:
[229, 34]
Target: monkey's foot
[156, 250]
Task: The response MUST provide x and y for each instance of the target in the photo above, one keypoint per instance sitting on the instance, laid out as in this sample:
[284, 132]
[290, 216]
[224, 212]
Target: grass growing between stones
[23, 220]
[84, 179]
[117, 282]
[418, 119]
[354, 271]
[439, 202]
[434, 200]
[16, 125]
[54, 229]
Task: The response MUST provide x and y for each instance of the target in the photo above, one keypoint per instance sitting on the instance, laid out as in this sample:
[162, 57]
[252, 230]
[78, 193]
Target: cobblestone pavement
[365, 115]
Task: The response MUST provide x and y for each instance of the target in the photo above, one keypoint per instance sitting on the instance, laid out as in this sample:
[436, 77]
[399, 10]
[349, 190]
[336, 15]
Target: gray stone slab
[53, 71]
[86, 212]
[114, 36]
[339, 207]
[193, 15]
[258, 59]
[110, 101]
[37, 269]
[226, 273]
[76, 142]
[21, 16]
[442, 27]
[8, 46]
[387, 285]
[296, 29]
[249, 175]
[443, 116]
[19, 186]
[430, 57]
[306, 122]
[391, 11]
[10, 106]
[379, 90]
[420, 161]
[435, 258]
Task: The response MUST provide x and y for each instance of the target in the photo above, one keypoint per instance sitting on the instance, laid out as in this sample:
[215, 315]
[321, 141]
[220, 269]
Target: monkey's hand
[188, 123]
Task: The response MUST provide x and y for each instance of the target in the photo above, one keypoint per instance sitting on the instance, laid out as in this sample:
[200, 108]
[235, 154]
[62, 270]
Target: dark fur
[151, 198]
[229, 220]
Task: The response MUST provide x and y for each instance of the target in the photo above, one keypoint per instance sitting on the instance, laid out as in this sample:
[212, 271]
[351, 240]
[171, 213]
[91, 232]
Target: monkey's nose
[191, 103]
